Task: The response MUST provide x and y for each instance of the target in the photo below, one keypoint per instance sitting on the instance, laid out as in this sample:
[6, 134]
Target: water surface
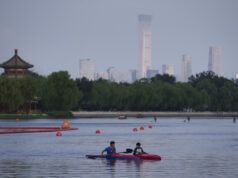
[199, 148]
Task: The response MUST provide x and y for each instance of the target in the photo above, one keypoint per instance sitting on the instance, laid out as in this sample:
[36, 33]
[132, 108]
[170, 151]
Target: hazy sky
[54, 34]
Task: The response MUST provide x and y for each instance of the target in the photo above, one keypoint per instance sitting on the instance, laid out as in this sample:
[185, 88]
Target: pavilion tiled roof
[16, 63]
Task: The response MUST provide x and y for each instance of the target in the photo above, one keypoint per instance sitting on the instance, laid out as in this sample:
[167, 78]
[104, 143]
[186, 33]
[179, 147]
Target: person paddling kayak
[138, 149]
[111, 149]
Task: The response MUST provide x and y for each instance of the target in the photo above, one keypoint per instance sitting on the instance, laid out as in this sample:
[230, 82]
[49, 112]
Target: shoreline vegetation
[56, 95]
[101, 114]
[108, 114]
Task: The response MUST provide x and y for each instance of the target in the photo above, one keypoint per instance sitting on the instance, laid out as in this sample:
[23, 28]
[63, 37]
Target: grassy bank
[99, 114]
[52, 114]
[24, 116]
[108, 114]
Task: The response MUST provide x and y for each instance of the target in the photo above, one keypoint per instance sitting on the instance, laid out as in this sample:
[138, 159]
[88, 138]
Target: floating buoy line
[14, 130]
[64, 127]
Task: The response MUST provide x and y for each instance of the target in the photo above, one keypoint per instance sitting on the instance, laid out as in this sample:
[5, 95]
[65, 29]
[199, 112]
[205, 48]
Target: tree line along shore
[57, 94]
[101, 114]
[125, 114]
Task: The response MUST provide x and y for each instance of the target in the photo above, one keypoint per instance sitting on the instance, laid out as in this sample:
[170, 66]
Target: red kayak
[148, 157]
[128, 157]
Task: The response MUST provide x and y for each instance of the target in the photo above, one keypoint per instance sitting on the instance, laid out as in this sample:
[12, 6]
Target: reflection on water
[126, 167]
[200, 148]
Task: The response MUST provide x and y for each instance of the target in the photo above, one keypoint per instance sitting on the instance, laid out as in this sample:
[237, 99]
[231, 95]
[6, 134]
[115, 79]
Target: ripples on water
[201, 148]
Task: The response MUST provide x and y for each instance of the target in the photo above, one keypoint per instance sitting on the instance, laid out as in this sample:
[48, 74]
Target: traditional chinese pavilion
[15, 67]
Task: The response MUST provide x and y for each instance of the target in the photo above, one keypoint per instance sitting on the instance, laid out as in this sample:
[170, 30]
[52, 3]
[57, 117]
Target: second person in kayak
[111, 149]
[138, 149]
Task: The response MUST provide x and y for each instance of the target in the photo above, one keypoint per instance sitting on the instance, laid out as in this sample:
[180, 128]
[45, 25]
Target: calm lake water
[202, 147]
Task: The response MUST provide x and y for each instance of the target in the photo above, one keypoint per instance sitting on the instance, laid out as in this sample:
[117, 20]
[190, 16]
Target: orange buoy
[135, 130]
[150, 126]
[141, 128]
[17, 119]
[65, 125]
[98, 132]
[58, 134]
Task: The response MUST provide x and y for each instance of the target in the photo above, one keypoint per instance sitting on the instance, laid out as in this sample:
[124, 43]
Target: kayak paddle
[128, 150]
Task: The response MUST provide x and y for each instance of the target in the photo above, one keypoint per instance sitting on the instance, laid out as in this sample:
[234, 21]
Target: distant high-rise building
[120, 75]
[101, 75]
[109, 71]
[86, 69]
[134, 74]
[186, 68]
[214, 62]
[145, 43]
[168, 69]
[151, 73]
[236, 75]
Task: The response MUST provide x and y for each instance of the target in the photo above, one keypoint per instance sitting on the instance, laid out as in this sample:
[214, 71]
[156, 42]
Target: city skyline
[56, 39]
[130, 75]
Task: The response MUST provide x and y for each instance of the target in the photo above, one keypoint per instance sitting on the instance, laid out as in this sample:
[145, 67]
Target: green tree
[229, 96]
[155, 96]
[170, 97]
[186, 96]
[140, 95]
[85, 86]
[10, 95]
[28, 88]
[164, 78]
[204, 91]
[61, 92]
[211, 90]
[100, 96]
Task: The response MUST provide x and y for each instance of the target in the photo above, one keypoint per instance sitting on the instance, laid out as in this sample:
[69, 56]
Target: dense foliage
[57, 92]
[203, 92]
[60, 92]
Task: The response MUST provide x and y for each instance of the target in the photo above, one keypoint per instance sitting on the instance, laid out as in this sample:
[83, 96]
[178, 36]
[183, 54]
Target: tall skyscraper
[186, 68]
[236, 75]
[145, 43]
[214, 62]
[168, 69]
[86, 69]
